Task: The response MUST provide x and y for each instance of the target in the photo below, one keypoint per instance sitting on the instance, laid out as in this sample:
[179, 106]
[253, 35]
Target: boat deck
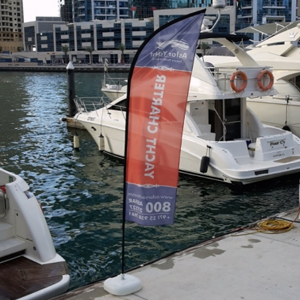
[21, 276]
[244, 265]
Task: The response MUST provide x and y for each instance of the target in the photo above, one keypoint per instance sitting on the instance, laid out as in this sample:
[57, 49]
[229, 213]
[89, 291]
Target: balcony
[245, 16]
[247, 5]
[274, 7]
[273, 3]
[273, 18]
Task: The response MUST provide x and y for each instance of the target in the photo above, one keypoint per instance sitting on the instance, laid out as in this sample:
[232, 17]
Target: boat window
[232, 110]
[296, 81]
[122, 105]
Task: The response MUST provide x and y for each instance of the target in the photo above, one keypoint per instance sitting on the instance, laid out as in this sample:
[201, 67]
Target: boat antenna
[219, 5]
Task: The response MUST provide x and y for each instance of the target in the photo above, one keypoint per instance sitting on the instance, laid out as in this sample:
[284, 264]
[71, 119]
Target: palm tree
[65, 50]
[204, 48]
[122, 48]
[90, 51]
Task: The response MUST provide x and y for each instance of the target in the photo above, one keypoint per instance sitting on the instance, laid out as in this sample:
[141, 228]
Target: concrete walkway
[246, 265]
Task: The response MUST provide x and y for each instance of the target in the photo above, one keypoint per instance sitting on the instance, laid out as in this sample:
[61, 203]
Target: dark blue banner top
[174, 48]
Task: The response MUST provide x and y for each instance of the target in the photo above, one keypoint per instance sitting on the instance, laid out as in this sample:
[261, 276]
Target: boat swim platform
[245, 264]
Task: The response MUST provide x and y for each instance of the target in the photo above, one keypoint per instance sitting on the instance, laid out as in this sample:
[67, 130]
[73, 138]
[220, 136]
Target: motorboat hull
[222, 167]
[30, 268]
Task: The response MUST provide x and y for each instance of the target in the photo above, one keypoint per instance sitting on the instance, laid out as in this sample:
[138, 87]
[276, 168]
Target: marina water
[81, 191]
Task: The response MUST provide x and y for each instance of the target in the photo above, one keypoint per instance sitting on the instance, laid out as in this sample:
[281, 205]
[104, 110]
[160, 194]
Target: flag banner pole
[157, 93]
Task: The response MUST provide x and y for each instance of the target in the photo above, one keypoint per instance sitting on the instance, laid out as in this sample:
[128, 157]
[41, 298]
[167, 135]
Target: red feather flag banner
[158, 89]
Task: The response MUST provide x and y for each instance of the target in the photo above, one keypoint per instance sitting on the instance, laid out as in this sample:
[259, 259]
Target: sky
[40, 8]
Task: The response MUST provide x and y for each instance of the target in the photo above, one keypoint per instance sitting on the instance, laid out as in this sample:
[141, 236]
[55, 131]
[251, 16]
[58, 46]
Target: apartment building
[11, 19]
[35, 33]
[104, 37]
[89, 10]
[257, 12]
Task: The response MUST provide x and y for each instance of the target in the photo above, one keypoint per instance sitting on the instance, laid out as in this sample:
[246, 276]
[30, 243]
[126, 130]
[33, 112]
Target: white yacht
[222, 138]
[30, 268]
[114, 90]
[281, 53]
[113, 87]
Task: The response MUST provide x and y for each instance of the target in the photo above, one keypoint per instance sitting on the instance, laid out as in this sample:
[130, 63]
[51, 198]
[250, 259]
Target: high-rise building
[11, 19]
[258, 12]
[89, 10]
[248, 12]
[66, 10]
[144, 9]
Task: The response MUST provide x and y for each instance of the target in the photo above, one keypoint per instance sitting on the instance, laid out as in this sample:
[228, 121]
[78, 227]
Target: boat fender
[76, 141]
[101, 142]
[243, 76]
[265, 73]
[287, 128]
[204, 164]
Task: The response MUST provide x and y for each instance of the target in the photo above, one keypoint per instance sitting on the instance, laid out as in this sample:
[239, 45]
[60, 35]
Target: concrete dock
[246, 264]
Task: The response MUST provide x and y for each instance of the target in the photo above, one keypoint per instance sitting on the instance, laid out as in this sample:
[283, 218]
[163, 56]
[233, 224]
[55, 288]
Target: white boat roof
[288, 36]
[270, 28]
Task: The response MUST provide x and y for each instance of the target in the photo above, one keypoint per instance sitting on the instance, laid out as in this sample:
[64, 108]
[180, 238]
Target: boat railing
[88, 104]
[222, 77]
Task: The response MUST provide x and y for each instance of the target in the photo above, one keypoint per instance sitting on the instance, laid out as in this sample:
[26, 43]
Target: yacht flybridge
[222, 138]
[281, 52]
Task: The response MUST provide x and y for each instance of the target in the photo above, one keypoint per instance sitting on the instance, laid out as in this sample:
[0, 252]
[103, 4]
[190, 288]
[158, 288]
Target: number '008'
[158, 207]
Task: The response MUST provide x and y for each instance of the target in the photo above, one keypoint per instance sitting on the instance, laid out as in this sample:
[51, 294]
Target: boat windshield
[122, 105]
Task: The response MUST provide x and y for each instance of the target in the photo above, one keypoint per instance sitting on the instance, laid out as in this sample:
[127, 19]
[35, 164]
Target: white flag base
[123, 284]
